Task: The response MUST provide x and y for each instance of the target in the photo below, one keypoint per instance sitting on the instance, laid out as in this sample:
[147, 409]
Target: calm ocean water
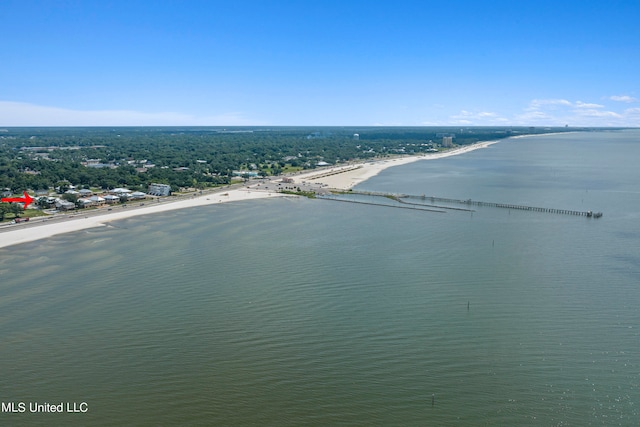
[313, 312]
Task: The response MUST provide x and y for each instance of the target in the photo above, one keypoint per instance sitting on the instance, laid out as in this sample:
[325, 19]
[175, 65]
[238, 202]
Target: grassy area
[29, 213]
[32, 213]
[270, 171]
[289, 169]
[309, 194]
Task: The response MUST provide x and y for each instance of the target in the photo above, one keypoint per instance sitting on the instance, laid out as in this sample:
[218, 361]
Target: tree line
[43, 158]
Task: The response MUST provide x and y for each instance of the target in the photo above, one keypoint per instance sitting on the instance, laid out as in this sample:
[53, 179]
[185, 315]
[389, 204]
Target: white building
[120, 191]
[159, 189]
[138, 195]
[110, 198]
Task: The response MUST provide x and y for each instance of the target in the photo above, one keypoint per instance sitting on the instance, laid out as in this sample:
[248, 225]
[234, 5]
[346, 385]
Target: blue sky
[344, 62]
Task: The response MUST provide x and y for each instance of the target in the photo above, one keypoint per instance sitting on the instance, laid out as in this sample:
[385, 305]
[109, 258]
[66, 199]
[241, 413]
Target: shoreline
[339, 178]
[348, 176]
[68, 223]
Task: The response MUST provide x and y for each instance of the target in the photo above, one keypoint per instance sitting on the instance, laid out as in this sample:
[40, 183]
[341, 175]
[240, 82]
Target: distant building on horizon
[447, 141]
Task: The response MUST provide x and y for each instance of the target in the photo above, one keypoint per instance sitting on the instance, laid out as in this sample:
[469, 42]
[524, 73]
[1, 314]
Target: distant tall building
[159, 189]
[447, 141]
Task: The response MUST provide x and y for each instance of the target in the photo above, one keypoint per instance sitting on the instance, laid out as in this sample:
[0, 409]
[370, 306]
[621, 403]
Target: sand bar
[342, 178]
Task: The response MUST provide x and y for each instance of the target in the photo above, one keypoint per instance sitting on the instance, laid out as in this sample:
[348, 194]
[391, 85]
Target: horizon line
[331, 126]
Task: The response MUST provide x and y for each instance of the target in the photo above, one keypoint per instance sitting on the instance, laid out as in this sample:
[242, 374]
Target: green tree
[42, 203]
[4, 209]
[70, 197]
[16, 209]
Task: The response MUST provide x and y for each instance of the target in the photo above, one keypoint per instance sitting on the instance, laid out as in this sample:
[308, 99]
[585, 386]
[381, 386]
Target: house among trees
[63, 205]
[120, 191]
[91, 201]
[111, 199]
[136, 195]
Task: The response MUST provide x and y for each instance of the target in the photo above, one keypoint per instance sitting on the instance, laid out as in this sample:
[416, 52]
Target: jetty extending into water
[429, 202]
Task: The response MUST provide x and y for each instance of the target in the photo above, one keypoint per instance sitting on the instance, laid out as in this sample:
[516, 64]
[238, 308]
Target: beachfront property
[63, 205]
[159, 189]
[91, 201]
[120, 191]
[137, 195]
[86, 198]
[111, 199]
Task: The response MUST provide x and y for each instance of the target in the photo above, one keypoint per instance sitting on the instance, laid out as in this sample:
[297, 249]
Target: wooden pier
[431, 199]
[470, 202]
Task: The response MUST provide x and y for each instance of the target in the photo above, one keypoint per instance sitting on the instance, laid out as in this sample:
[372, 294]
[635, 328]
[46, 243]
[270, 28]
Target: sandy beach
[348, 176]
[340, 178]
[79, 220]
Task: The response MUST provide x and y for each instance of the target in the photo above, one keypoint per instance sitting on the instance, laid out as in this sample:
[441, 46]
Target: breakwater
[360, 202]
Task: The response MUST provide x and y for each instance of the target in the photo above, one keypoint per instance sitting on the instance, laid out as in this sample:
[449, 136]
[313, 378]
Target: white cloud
[24, 114]
[558, 112]
[481, 118]
[623, 98]
[463, 122]
[633, 114]
[598, 114]
[539, 112]
[580, 104]
[552, 112]
[541, 103]
[532, 116]
[486, 114]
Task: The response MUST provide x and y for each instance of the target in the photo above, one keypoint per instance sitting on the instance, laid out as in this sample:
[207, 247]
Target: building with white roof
[120, 191]
[159, 189]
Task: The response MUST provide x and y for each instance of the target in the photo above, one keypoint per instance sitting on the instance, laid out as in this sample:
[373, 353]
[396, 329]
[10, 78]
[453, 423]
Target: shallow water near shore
[296, 311]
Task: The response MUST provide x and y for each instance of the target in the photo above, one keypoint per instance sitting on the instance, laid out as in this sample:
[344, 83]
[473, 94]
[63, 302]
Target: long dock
[469, 202]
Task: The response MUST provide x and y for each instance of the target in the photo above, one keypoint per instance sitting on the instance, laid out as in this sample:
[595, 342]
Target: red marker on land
[27, 199]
